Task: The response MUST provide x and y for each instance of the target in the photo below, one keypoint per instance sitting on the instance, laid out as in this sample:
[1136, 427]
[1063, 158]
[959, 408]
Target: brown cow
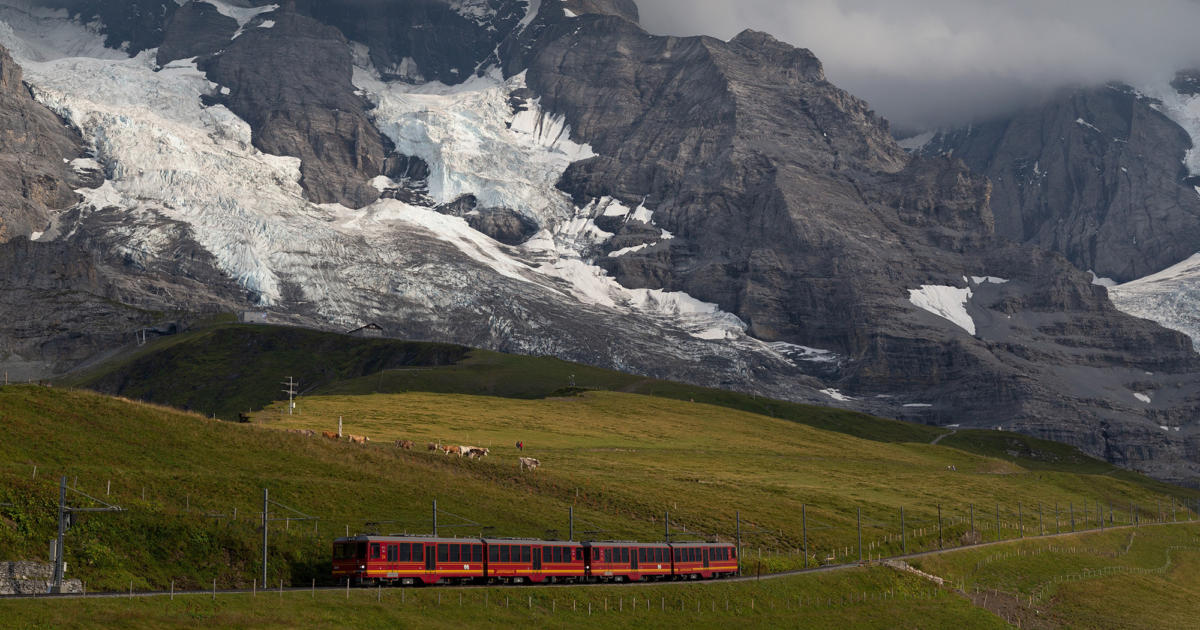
[529, 463]
[358, 439]
[475, 452]
[330, 435]
[453, 450]
[404, 444]
[433, 446]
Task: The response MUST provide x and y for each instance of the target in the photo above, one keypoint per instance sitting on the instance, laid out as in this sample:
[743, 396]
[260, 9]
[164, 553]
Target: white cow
[529, 463]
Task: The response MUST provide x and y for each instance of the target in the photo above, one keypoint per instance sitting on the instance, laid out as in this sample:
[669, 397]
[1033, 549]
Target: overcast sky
[938, 62]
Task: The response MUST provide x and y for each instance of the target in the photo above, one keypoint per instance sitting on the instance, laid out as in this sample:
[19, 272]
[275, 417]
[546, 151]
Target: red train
[407, 560]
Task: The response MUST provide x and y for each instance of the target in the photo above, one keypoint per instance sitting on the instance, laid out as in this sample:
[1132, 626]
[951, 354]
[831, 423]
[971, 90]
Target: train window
[392, 553]
[443, 552]
[405, 552]
[505, 553]
[493, 553]
[524, 554]
[625, 555]
[374, 551]
[547, 554]
[555, 554]
[453, 553]
[418, 552]
[476, 553]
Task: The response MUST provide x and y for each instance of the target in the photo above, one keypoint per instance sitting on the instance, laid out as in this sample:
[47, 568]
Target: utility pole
[738, 516]
[804, 525]
[435, 518]
[265, 522]
[903, 534]
[291, 392]
[667, 526]
[65, 516]
[62, 529]
[571, 523]
[860, 535]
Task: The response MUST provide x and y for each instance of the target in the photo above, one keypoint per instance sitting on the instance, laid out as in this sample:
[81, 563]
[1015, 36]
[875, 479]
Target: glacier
[166, 156]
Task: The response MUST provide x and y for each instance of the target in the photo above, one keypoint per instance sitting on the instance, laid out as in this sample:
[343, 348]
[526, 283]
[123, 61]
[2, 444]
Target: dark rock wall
[1096, 175]
[196, 29]
[33, 146]
[292, 84]
[130, 25]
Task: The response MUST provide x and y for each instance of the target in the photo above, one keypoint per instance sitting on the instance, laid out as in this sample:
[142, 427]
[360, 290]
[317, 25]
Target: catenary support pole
[265, 523]
[804, 530]
[56, 585]
[860, 535]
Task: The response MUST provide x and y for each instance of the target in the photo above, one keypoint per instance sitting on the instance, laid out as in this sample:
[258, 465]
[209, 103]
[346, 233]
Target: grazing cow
[308, 433]
[358, 439]
[454, 450]
[404, 444]
[529, 463]
[433, 446]
[475, 452]
[330, 435]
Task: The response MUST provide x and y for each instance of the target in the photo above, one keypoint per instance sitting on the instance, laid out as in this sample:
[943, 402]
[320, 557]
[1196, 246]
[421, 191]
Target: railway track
[743, 578]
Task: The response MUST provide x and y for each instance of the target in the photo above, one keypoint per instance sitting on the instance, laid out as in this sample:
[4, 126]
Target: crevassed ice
[166, 155]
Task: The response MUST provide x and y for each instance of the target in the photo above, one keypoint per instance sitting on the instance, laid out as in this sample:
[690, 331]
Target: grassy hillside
[620, 460]
[892, 600]
[1118, 579]
[229, 369]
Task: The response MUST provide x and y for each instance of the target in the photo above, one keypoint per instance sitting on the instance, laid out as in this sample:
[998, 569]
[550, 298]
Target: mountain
[1099, 175]
[547, 178]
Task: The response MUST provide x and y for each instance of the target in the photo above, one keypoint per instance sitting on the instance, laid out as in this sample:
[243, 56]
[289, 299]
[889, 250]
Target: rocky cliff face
[1097, 175]
[791, 207]
[196, 29]
[34, 144]
[289, 77]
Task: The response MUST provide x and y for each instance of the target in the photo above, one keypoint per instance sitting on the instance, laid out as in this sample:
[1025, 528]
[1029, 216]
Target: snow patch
[946, 302]
[1142, 397]
[836, 395]
[918, 405]
[267, 24]
[35, 236]
[1102, 282]
[917, 142]
[1184, 109]
[1083, 123]
[243, 15]
[988, 280]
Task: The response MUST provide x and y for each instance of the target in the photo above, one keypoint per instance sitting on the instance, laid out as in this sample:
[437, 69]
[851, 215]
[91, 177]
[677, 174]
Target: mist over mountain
[931, 63]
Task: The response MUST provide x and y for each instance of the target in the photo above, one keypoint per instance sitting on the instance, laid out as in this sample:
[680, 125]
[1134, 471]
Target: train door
[430, 557]
[633, 559]
[706, 557]
[537, 558]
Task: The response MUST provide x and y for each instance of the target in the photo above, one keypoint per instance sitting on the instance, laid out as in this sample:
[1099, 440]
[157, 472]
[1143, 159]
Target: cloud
[923, 63]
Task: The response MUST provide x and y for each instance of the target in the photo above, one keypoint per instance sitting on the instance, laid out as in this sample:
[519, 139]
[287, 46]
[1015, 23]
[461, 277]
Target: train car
[691, 561]
[369, 560]
[627, 561]
[518, 561]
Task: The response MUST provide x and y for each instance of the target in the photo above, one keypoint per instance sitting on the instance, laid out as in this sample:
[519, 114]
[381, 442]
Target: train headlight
[362, 567]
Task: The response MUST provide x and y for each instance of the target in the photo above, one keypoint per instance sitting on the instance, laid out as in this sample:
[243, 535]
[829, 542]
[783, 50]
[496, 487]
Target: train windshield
[349, 551]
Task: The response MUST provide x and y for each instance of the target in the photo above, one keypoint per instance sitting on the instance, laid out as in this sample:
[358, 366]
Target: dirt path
[944, 435]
